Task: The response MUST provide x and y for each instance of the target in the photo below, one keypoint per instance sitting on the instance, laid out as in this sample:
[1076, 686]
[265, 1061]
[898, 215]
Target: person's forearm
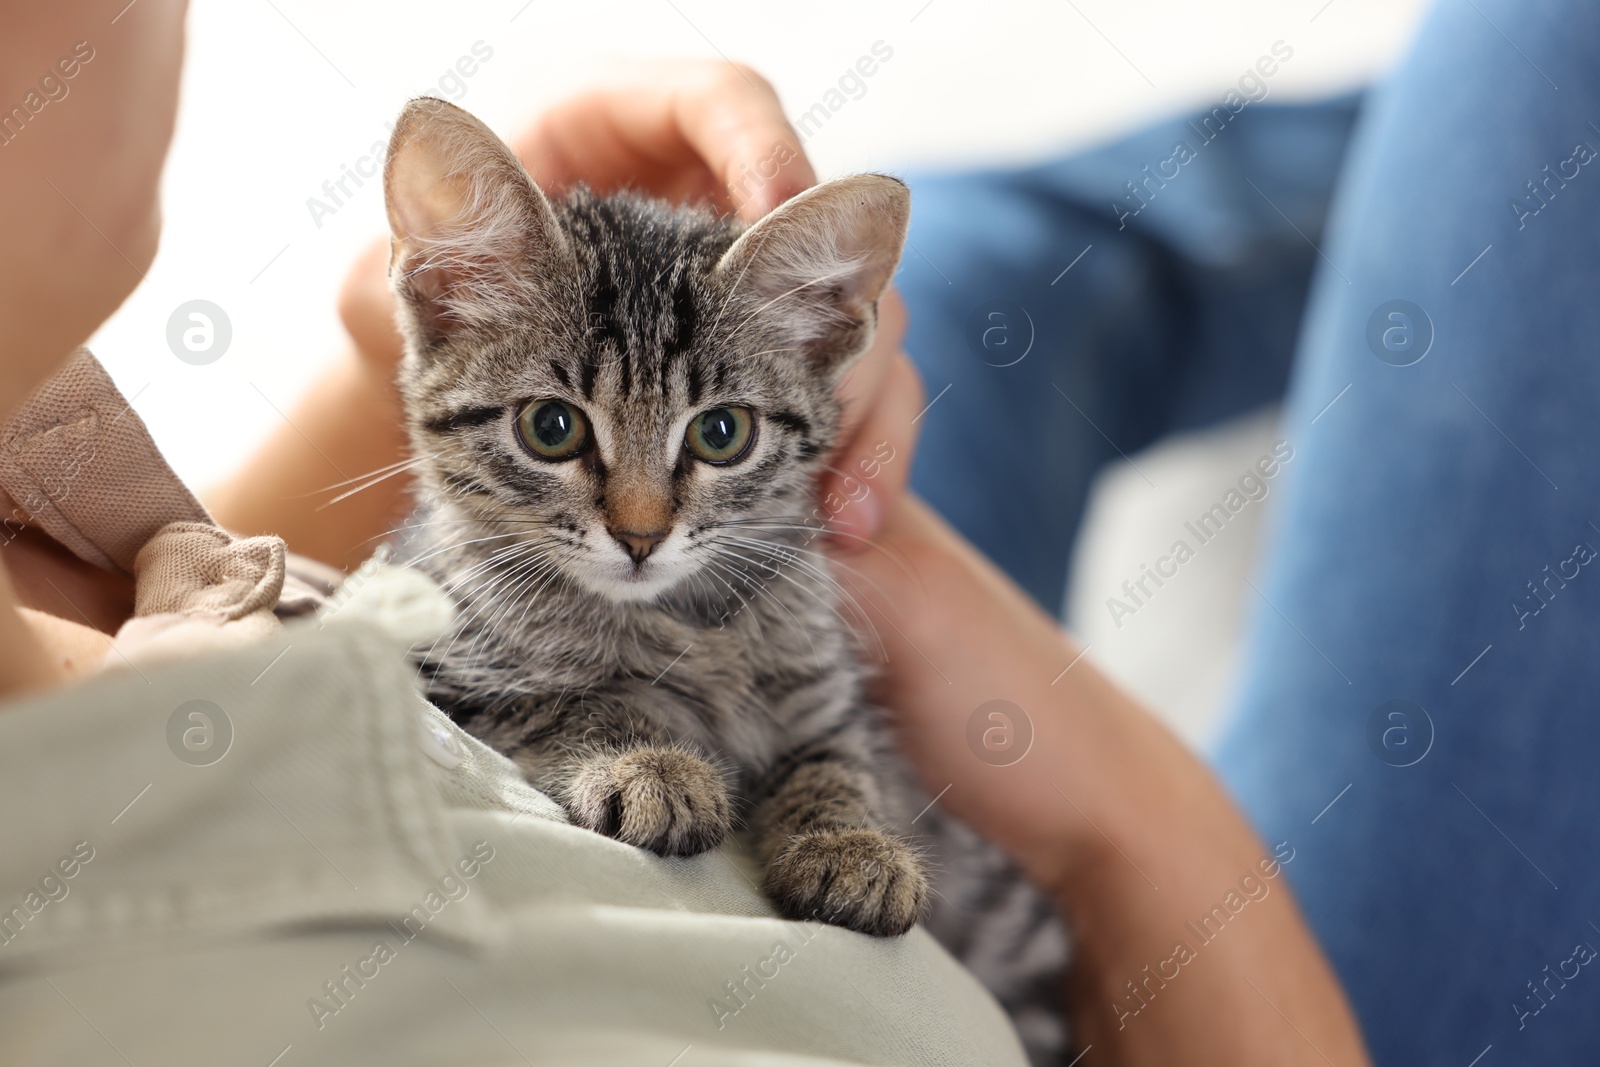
[348, 426]
[1110, 813]
[29, 659]
[1160, 970]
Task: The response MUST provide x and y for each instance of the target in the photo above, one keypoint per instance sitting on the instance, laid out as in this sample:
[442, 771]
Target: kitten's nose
[639, 545]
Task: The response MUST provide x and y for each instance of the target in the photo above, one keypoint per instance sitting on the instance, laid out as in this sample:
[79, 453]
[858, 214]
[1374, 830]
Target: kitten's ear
[473, 238]
[821, 260]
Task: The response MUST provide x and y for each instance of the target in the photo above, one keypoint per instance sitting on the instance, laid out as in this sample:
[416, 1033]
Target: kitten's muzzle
[639, 545]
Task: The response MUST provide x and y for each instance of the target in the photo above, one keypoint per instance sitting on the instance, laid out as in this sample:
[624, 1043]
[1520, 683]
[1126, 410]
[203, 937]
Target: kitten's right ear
[820, 261]
[473, 238]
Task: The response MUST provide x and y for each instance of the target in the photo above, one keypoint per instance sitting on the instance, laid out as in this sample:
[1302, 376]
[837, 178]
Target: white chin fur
[630, 590]
[620, 582]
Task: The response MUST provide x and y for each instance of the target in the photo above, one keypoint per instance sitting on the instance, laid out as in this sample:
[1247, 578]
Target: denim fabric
[1417, 711]
[1170, 318]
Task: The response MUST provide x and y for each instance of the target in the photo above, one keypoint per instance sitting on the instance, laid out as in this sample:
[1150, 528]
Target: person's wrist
[959, 638]
[1101, 778]
[1113, 783]
[1158, 828]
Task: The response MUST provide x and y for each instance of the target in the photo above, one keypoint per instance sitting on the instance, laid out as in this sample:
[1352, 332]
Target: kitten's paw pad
[863, 880]
[663, 799]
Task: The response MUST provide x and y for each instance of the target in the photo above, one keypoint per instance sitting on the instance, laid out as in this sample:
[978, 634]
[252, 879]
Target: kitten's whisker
[460, 544]
[799, 552]
[364, 486]
[735, 580]
[820, 572]
[768, 571]
[725, 570]
[450, 522]
[509, 566]
[778, 572]
[786, 552]
[487, 571]
[410, 461]
[523, 575]
[520, 554]
[847, 597]
[883, 598]
[533, 598]
[777, 524]
[804, 629]
[715, 600]
[530, 523]
[523, 540]
[513, 555]
[759, 583]
[880, 650]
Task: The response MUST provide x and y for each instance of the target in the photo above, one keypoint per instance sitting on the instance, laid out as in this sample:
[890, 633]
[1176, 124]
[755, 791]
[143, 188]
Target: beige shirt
[279, 854]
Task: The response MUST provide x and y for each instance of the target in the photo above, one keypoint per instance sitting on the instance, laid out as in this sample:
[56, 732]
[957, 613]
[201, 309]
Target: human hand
[713, 132]
[1098, 804]
[882, 396]
[699, 130]
[956, 634]
[688, 131]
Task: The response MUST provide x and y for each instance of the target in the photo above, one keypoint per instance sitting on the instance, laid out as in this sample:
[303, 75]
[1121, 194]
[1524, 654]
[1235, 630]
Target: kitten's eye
[553, 429]
[720, 435]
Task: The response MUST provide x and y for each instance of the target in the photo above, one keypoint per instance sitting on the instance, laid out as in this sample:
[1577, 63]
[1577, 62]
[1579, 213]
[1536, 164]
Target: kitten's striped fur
[713, 682]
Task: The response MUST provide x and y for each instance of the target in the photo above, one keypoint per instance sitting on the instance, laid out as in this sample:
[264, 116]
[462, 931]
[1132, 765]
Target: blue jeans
[1417, 713]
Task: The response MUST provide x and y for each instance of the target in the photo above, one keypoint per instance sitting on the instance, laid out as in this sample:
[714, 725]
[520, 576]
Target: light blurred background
[281, 95]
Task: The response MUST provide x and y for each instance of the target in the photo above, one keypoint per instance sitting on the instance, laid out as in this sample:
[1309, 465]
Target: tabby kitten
[619, 410]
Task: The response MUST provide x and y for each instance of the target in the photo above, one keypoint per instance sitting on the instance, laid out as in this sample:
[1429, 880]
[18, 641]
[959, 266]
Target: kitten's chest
[744, 687]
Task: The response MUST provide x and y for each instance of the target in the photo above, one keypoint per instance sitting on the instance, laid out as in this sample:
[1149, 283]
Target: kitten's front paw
[864, 880]
[663, 799]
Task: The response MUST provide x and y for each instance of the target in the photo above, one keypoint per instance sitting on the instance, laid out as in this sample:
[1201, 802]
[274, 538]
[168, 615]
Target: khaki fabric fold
[79, 464]
[197, 568]
[283, 850]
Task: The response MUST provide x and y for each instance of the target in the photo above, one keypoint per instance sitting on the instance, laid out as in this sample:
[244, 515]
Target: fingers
[703, 130]
[864, 380]
[883, 397]
[734, 122]
[710, 130]
[870, 476]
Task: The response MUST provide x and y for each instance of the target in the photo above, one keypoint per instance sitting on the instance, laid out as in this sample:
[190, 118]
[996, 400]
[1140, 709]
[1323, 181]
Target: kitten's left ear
[473, 237]
[821, 260]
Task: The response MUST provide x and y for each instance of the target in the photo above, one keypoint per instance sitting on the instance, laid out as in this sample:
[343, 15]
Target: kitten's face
[609, 390]
[634, 447]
